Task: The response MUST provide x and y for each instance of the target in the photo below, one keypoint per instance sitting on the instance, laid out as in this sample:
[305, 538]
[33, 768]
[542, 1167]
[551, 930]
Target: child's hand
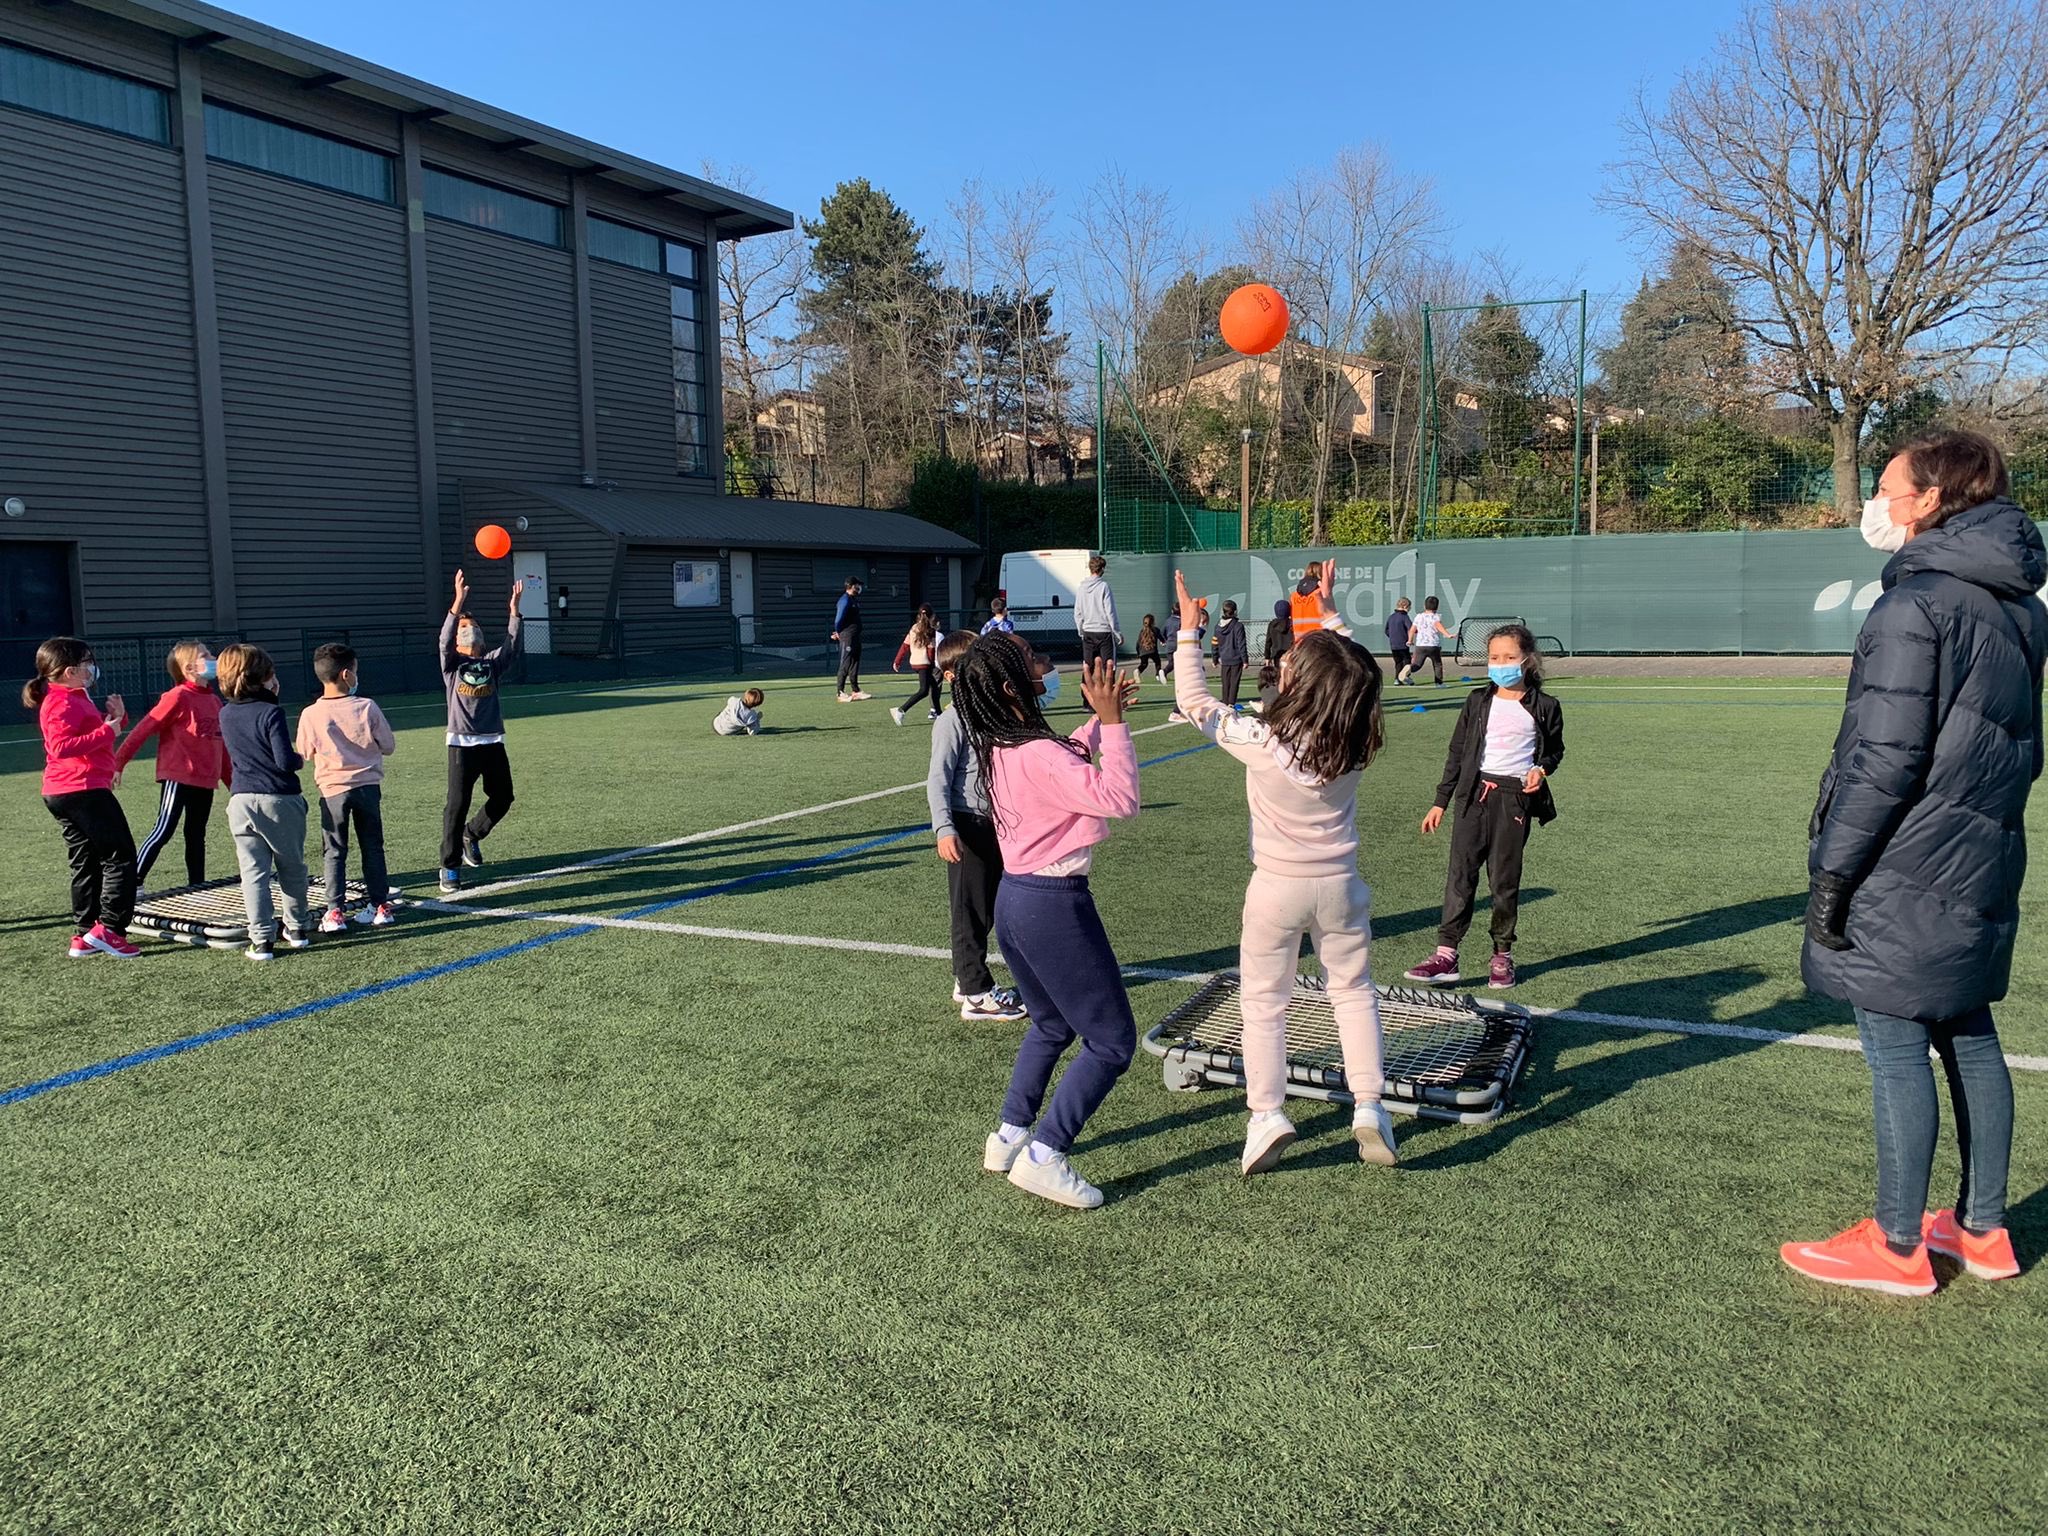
[117, 778]
[117, 711]
[1433, 820]
[949, 848]
[1532, 781]
[1190, 611]
[1130, 690]
[1103, 690]
[461, 592]
[518, 589]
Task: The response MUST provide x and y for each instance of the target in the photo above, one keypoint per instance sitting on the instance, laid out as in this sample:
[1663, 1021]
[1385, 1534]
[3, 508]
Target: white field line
[1565, 682]
[711, 835]
[1191, 978]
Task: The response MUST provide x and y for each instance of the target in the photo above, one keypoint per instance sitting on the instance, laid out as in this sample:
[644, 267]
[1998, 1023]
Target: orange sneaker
[1859, 1258]
[1988, 1257]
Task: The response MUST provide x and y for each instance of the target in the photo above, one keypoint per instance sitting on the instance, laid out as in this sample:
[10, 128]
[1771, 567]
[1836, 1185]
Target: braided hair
[997, 698]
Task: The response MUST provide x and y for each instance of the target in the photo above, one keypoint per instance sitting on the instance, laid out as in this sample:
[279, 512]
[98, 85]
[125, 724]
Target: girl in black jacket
[1919, 845]
[1509, 741]
[1233, 650]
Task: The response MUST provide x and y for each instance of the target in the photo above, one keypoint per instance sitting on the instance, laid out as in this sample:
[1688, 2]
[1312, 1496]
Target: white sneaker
[1054, 1180]
[1373, 1129]
[336, 921]
[381, 916]
[896, 715]
[846, 698]
[1264, 1140]
[998, 1155]
[999, 1003]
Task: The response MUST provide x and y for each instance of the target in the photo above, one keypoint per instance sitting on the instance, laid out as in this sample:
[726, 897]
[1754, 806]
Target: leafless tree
[759, 279]
[1026, 261]
[1872, 177]
[1334, 240]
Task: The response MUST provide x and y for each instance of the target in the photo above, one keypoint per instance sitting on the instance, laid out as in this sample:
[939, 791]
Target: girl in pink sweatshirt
[191, 758]
[1052, 804]
[78, 789]
[1302, 759]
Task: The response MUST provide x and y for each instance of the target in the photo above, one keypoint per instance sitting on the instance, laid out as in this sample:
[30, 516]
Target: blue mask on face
[1506, 677]
[1049, 687]
[93, 669]
[209, 669]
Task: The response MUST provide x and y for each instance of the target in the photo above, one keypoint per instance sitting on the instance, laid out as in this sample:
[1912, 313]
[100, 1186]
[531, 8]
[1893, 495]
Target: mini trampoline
[1446, 1056]
[212, 914]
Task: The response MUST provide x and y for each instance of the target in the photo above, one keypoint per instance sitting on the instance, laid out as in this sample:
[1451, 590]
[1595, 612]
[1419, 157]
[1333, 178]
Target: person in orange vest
[1309, 605]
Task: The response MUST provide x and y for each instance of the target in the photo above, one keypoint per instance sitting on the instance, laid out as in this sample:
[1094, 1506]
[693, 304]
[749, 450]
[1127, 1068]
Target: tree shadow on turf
[1678, 933]
[1548, 1094]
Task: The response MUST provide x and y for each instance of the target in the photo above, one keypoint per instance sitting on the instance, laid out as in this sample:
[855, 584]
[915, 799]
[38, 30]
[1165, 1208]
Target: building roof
[743, 522]
[736, 214]
[1225, 359]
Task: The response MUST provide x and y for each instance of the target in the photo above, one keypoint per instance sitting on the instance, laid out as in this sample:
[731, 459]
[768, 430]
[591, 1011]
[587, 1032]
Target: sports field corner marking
[576, 928]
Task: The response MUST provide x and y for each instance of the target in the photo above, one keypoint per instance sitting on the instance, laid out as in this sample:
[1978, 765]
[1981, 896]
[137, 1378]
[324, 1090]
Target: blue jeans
[1054, 944]
[1902, 1093]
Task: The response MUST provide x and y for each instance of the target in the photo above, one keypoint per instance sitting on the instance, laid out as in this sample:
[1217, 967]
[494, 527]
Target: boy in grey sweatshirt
[966, 836]
[476, 732]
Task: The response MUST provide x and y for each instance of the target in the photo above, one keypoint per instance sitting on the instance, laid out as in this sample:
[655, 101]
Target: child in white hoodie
[741, 715]
[1302, 760]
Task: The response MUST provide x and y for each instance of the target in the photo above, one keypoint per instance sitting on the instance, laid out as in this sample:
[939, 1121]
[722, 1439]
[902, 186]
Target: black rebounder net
[1445, 1056]
[213, 915]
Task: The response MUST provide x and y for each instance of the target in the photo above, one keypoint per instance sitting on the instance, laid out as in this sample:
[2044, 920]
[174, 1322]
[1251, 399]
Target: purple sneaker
[1438, 968]
[1501, 975]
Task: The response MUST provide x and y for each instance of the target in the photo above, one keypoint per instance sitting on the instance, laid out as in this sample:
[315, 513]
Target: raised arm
[146, 727]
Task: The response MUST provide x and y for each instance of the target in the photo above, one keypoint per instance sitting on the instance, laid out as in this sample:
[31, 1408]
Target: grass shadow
[1679, 933]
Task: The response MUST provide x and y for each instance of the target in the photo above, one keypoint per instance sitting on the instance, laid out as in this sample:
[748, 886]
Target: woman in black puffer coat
[1919, 847]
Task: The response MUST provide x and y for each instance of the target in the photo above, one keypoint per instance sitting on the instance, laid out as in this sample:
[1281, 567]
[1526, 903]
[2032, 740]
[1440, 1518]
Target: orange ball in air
[1254, 319]
[493, 542]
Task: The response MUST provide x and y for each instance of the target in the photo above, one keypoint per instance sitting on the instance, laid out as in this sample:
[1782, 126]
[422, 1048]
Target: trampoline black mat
[212, 914]
[1445, 1056]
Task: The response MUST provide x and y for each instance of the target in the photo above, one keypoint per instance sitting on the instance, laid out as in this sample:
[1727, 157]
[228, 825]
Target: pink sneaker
[1501, 974]
[108, 942]
[1438, 969]
[80, 950]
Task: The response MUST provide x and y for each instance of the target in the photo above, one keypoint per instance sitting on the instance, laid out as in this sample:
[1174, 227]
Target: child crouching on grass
[347, 739]
[1302, 760]
[78, 790]
[1508, 742]
[741, 715]
[1052, 804]
[190, 758]
[267, 811]
[967, 843]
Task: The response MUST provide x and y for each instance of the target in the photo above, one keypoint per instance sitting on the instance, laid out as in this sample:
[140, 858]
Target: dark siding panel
[73, 33]
[804, 618]
[579, 558]
[647, 602]
[99, 425]
[664, 218]
[261, 90]
[316, 366]
[466, 157]
[505, 397]
[636, 416]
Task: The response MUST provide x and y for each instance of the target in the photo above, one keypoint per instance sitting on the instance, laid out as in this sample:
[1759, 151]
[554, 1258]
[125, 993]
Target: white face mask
[469, 637]
[1879, 531]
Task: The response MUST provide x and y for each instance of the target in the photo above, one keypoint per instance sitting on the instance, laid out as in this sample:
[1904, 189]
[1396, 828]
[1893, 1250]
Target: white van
[1040, 586]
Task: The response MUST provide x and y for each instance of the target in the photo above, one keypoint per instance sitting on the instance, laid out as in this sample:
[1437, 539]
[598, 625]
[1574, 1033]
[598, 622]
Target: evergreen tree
[1679, 355]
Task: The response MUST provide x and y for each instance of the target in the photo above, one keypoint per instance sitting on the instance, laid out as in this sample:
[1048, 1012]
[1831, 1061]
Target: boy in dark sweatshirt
[267, 810]
[476, 732]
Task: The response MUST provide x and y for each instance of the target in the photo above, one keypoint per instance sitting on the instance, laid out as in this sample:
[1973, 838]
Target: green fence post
[1101, 454]
[1579, 421]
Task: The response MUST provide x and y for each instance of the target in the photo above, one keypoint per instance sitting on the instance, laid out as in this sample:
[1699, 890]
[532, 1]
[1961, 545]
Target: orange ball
[1254, 319]
[493, 542]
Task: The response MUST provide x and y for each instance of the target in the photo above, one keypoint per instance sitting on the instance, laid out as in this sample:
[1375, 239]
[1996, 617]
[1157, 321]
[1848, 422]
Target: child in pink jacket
[346, 738]
[1052, 804]
[1301, 762]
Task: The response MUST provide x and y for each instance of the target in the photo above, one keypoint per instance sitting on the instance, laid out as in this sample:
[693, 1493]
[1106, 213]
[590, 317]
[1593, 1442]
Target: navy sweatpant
[1057, 951]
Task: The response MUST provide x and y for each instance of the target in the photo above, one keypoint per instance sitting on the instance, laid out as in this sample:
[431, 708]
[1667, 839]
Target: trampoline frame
[225, 926]
[1190, 1062]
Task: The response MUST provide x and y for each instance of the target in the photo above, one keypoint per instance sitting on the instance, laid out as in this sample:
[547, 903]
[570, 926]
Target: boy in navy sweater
[267, 811]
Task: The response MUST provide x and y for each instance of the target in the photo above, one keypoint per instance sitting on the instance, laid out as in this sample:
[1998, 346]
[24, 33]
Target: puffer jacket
[1919, 839]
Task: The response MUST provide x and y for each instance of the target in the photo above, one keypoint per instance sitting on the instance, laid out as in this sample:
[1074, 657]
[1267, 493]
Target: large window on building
[685, 266]
[56, 87]
[449, 196]
[263, 144]
[607, 240]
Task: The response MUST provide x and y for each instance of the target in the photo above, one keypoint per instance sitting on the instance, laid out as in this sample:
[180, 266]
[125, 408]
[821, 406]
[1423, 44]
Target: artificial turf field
[639, 1230]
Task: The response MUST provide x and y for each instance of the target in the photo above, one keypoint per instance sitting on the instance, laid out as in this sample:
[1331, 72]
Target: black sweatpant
[1491, 829]
[1150, 659]
[849, 659]
[927, 685]
[971, 893]
[364, 806]
[1434, 655]
[1402, 656]
[1098, 644]
[465, 766]
[1232, 676]
[102, 854]
[178, 802]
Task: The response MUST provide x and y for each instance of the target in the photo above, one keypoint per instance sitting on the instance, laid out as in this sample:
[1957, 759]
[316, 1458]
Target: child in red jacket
[78, 777]
[190, 758]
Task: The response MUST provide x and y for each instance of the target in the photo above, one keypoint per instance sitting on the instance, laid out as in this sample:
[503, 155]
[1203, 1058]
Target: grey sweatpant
[270, 835]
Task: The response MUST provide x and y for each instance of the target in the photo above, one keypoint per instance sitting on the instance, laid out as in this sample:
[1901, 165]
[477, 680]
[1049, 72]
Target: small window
[685, 263]
[623, 244]
[57, 88]
[242, 138]
[487, 207]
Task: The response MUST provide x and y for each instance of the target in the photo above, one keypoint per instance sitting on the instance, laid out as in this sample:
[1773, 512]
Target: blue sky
[1511, 108]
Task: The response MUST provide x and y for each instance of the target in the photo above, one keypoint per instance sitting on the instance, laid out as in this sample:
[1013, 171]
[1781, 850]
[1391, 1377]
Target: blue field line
[468, 963]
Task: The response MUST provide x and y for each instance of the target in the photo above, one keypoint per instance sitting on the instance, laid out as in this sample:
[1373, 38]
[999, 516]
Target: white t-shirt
[1510, 739]
[1429, 630]
[736, 719]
